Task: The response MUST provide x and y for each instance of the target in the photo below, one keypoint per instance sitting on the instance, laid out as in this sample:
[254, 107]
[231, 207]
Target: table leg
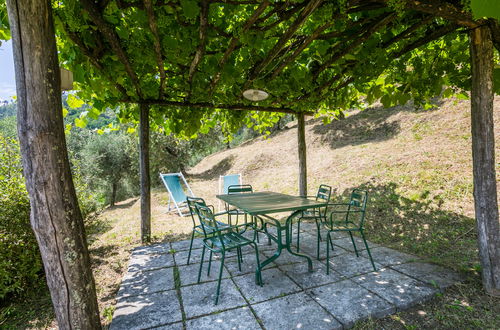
[279, 242]
[289, 239]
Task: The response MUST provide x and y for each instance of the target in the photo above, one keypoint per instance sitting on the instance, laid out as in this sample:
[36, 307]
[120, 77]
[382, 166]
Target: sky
[7, 76]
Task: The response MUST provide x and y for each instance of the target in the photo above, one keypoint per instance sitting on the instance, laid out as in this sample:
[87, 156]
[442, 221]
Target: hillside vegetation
[416, 164]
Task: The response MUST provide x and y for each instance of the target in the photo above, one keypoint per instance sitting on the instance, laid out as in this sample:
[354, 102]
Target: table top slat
[269, 202]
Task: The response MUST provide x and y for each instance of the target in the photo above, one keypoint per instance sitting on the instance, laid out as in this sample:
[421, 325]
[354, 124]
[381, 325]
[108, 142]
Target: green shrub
[20, 262]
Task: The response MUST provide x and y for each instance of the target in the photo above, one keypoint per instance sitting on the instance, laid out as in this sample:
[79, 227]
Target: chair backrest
[207, 220]
[191, 202]
[239, 189]
[357, 203]
[172, 182]
[324, 193]
[230, 180]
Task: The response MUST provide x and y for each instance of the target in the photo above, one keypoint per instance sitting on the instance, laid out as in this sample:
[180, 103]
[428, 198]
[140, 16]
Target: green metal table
[261, 204]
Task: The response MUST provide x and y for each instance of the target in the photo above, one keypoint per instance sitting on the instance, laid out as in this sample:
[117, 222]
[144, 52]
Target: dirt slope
[421, 152]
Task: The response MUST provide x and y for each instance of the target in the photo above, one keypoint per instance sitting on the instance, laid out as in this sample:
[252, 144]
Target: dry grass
[417, 166]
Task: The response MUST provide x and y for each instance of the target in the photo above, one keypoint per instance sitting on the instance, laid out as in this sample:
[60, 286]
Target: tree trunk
[483, 158]
[55, 215]
[145, 177]
[113, 194]
[301, 137]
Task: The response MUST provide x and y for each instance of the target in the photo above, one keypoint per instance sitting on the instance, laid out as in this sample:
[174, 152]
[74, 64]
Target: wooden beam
[483, 158]
[431, 35]
[55, 216]
[200, 50]
[301, 139]
[282, 12]
[145, 176]
[374, 26]
[404, 34]
[206, 105]
[299, 50]
[304, 14]
[153, 26]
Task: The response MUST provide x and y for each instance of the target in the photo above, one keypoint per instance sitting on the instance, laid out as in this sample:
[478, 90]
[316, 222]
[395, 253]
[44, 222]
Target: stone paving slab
[152, 249]
[285, 257]
[346, 243]
[349, 265]
[388, 257]
[188, 274]
[174, 326]
[275, 284]
[300, 274]
[397, 288]
[248, 266]
[139, 283]
[299, 311]
[240, 318]
[199, 299]
[291, 298]
[145, 262]
[147, 311]
[431, 274]
[348, 302]
[184, 245]
[182, 256]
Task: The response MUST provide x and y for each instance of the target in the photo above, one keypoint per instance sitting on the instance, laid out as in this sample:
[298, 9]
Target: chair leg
[238, 252]
[354, 244]
[220, 277]
[209, 263]
[318, 226]
[318, 239]
[258, 274]
[190, 247]
[298, 235]
[368, 250]
[201, 263]
[327, 253]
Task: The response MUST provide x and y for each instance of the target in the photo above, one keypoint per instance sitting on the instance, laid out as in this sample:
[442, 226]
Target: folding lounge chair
[177, 195]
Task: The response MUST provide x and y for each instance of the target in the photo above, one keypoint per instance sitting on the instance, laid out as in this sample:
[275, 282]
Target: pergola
[174, 58]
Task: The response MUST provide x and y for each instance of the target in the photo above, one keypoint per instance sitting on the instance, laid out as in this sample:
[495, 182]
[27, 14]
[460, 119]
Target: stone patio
[160, 290]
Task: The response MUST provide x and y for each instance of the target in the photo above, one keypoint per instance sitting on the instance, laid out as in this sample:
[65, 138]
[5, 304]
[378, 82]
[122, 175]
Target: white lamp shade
[255, 95]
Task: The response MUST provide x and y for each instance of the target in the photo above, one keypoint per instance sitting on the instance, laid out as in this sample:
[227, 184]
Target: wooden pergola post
[301, 138]
[145, 176]
[55, 215]
[483, 157]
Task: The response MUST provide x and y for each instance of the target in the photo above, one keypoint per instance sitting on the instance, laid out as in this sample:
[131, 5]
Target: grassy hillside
[416, 164]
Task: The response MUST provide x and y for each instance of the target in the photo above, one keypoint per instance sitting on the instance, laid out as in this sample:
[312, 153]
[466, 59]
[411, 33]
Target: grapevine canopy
[192, 60]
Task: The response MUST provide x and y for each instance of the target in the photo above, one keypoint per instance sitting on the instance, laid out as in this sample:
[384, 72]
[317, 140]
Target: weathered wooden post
[301, 137]
[145, 176]
[483, 158]
[55, 216]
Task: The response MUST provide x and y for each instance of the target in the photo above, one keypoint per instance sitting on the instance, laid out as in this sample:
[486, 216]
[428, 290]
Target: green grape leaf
[190, 8]
[485, 8]
[74, 102]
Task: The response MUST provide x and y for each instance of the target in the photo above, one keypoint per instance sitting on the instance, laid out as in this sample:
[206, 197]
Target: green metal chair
[197, 228]
[237, 189]
[317, 214]
[221, 240]
[353, 220]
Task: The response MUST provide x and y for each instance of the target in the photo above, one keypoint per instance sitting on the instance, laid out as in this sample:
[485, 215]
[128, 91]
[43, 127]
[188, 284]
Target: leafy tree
[20, 262]
[108, 159]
